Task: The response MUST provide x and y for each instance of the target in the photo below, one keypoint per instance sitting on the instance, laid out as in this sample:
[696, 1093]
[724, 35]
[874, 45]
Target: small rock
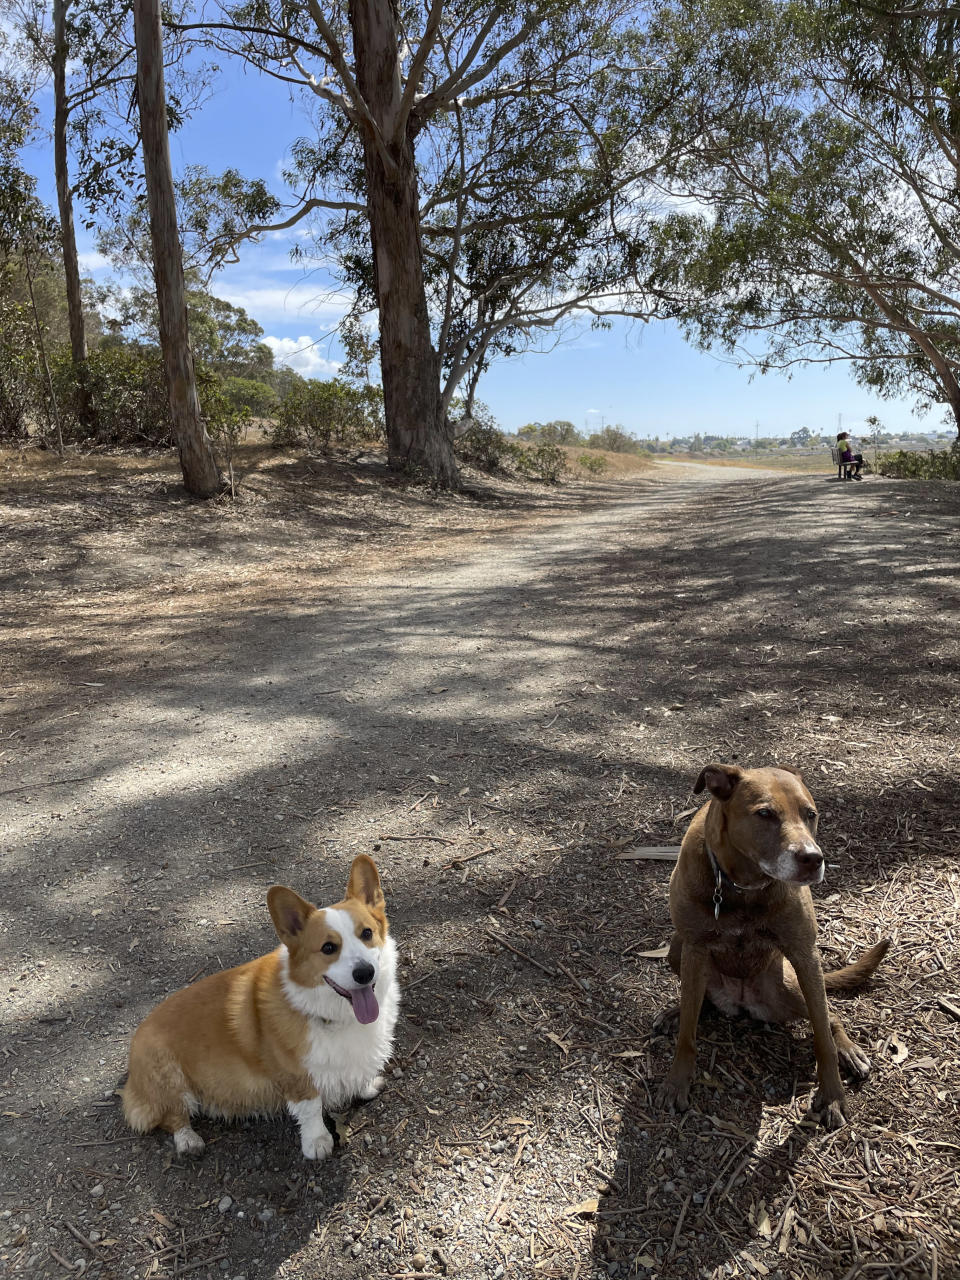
[224, 1204]
[97, 1191]
[418, 1261]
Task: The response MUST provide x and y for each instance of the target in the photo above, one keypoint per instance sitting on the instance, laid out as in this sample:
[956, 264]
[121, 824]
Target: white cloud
[91, 261]
[273, 303]
[303, 355]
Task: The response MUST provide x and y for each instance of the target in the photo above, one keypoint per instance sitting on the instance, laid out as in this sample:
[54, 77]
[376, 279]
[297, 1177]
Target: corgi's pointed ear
[364, 883]
[719, 779]
[289, 913]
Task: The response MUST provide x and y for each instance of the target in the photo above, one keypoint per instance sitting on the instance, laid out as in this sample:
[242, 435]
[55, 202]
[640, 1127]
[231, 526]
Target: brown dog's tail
[855, 975]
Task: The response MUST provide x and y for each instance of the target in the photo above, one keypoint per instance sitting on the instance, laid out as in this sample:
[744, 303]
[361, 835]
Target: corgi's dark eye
[767, 813]
[367, 935]
[329, 948]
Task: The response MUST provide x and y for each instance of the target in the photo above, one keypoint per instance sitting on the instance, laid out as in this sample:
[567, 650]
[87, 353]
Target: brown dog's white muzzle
[808, 858]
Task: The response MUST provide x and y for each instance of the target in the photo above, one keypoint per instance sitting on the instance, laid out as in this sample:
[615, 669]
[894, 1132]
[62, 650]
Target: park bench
[844, 469]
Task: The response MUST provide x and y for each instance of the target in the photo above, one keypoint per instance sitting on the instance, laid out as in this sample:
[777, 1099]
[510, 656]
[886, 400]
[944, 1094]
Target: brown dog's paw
[854, 1059]
[832, 1114]
[663, 1019]
[674, 1093]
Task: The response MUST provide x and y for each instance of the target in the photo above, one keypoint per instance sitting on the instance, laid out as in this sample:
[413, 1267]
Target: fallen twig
[649, 853]
[552, 973]
[54, 782]
[439, 839]
[469, 857]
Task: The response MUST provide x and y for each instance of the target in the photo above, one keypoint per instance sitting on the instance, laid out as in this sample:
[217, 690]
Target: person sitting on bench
[847, 456]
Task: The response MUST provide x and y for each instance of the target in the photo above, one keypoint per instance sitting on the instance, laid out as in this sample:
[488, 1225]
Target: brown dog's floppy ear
[289, 913]
[719, 779]
[364, 882]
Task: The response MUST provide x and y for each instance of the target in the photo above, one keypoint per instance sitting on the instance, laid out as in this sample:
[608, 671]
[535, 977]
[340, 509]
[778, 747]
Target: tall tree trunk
[417, 434]
[68, 236]
[201, 475]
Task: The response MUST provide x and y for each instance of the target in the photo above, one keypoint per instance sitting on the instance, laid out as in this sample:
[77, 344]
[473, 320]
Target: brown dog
[746, 931]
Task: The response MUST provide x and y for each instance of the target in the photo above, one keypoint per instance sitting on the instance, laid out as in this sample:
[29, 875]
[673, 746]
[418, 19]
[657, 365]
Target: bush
[546, 462]
[317, 414]
[592, 463]
[246, 395]
[22, 397]
[926, 464]
[487, 448]
[226, 423]
[129, 394]
[614, 440]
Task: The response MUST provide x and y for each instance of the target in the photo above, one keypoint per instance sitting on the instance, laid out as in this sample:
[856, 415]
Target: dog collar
[722, 880]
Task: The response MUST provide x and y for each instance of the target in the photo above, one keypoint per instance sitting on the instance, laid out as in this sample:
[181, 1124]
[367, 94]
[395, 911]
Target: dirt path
[197, 712]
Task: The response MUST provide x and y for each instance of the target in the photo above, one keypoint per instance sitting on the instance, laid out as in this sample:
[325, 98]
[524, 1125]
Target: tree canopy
[815, 215]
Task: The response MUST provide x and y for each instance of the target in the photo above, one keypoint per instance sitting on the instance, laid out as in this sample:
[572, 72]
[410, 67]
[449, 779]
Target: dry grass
[616, 464]
[802, 464]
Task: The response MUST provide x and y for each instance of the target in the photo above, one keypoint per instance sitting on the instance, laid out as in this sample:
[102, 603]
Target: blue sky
[644, 377]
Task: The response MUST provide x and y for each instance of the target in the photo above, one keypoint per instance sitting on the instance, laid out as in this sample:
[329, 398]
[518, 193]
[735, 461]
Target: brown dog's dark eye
[366, 935]
[767, 813]
[329, 948]
[811, 815]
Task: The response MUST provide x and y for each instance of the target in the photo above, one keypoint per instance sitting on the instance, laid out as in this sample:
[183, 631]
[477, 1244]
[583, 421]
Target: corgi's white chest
[343, 1055]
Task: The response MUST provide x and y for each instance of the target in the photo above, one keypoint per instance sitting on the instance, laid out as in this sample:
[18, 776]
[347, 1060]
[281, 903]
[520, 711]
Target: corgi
[308, 1026]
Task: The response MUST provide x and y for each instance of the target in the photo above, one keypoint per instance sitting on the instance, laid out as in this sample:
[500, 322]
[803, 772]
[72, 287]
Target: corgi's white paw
[316, 1140]
[188, 1142]
[375, 1087]
[316, 1146]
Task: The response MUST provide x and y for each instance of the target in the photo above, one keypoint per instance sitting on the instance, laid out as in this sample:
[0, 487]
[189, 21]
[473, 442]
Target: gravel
[495, 698]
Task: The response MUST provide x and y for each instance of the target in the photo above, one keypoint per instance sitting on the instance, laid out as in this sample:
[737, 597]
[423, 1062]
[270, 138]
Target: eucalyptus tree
[470, 164]
[201, 475]
[817, 211]
[27, 272]
[87, 52]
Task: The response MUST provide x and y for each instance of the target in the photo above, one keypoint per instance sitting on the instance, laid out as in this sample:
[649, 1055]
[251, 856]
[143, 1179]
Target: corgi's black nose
[363, 973]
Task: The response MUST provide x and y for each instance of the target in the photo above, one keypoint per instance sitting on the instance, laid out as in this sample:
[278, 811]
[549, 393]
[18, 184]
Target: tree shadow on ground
[513, 732]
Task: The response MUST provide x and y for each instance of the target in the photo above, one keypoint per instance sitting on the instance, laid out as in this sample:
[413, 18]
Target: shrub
[226, 422]
[926, 464]
[22, 397]
[546, 462]
[129, 394]
[614, 440]
[246, 395]
[592, 463]
[318, 413]
[487, 448]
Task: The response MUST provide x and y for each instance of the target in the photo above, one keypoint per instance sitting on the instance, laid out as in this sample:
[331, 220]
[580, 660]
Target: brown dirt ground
[493, 694]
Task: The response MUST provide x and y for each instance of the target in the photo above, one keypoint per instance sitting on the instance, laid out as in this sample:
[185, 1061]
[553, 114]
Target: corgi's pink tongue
[365, 1005]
